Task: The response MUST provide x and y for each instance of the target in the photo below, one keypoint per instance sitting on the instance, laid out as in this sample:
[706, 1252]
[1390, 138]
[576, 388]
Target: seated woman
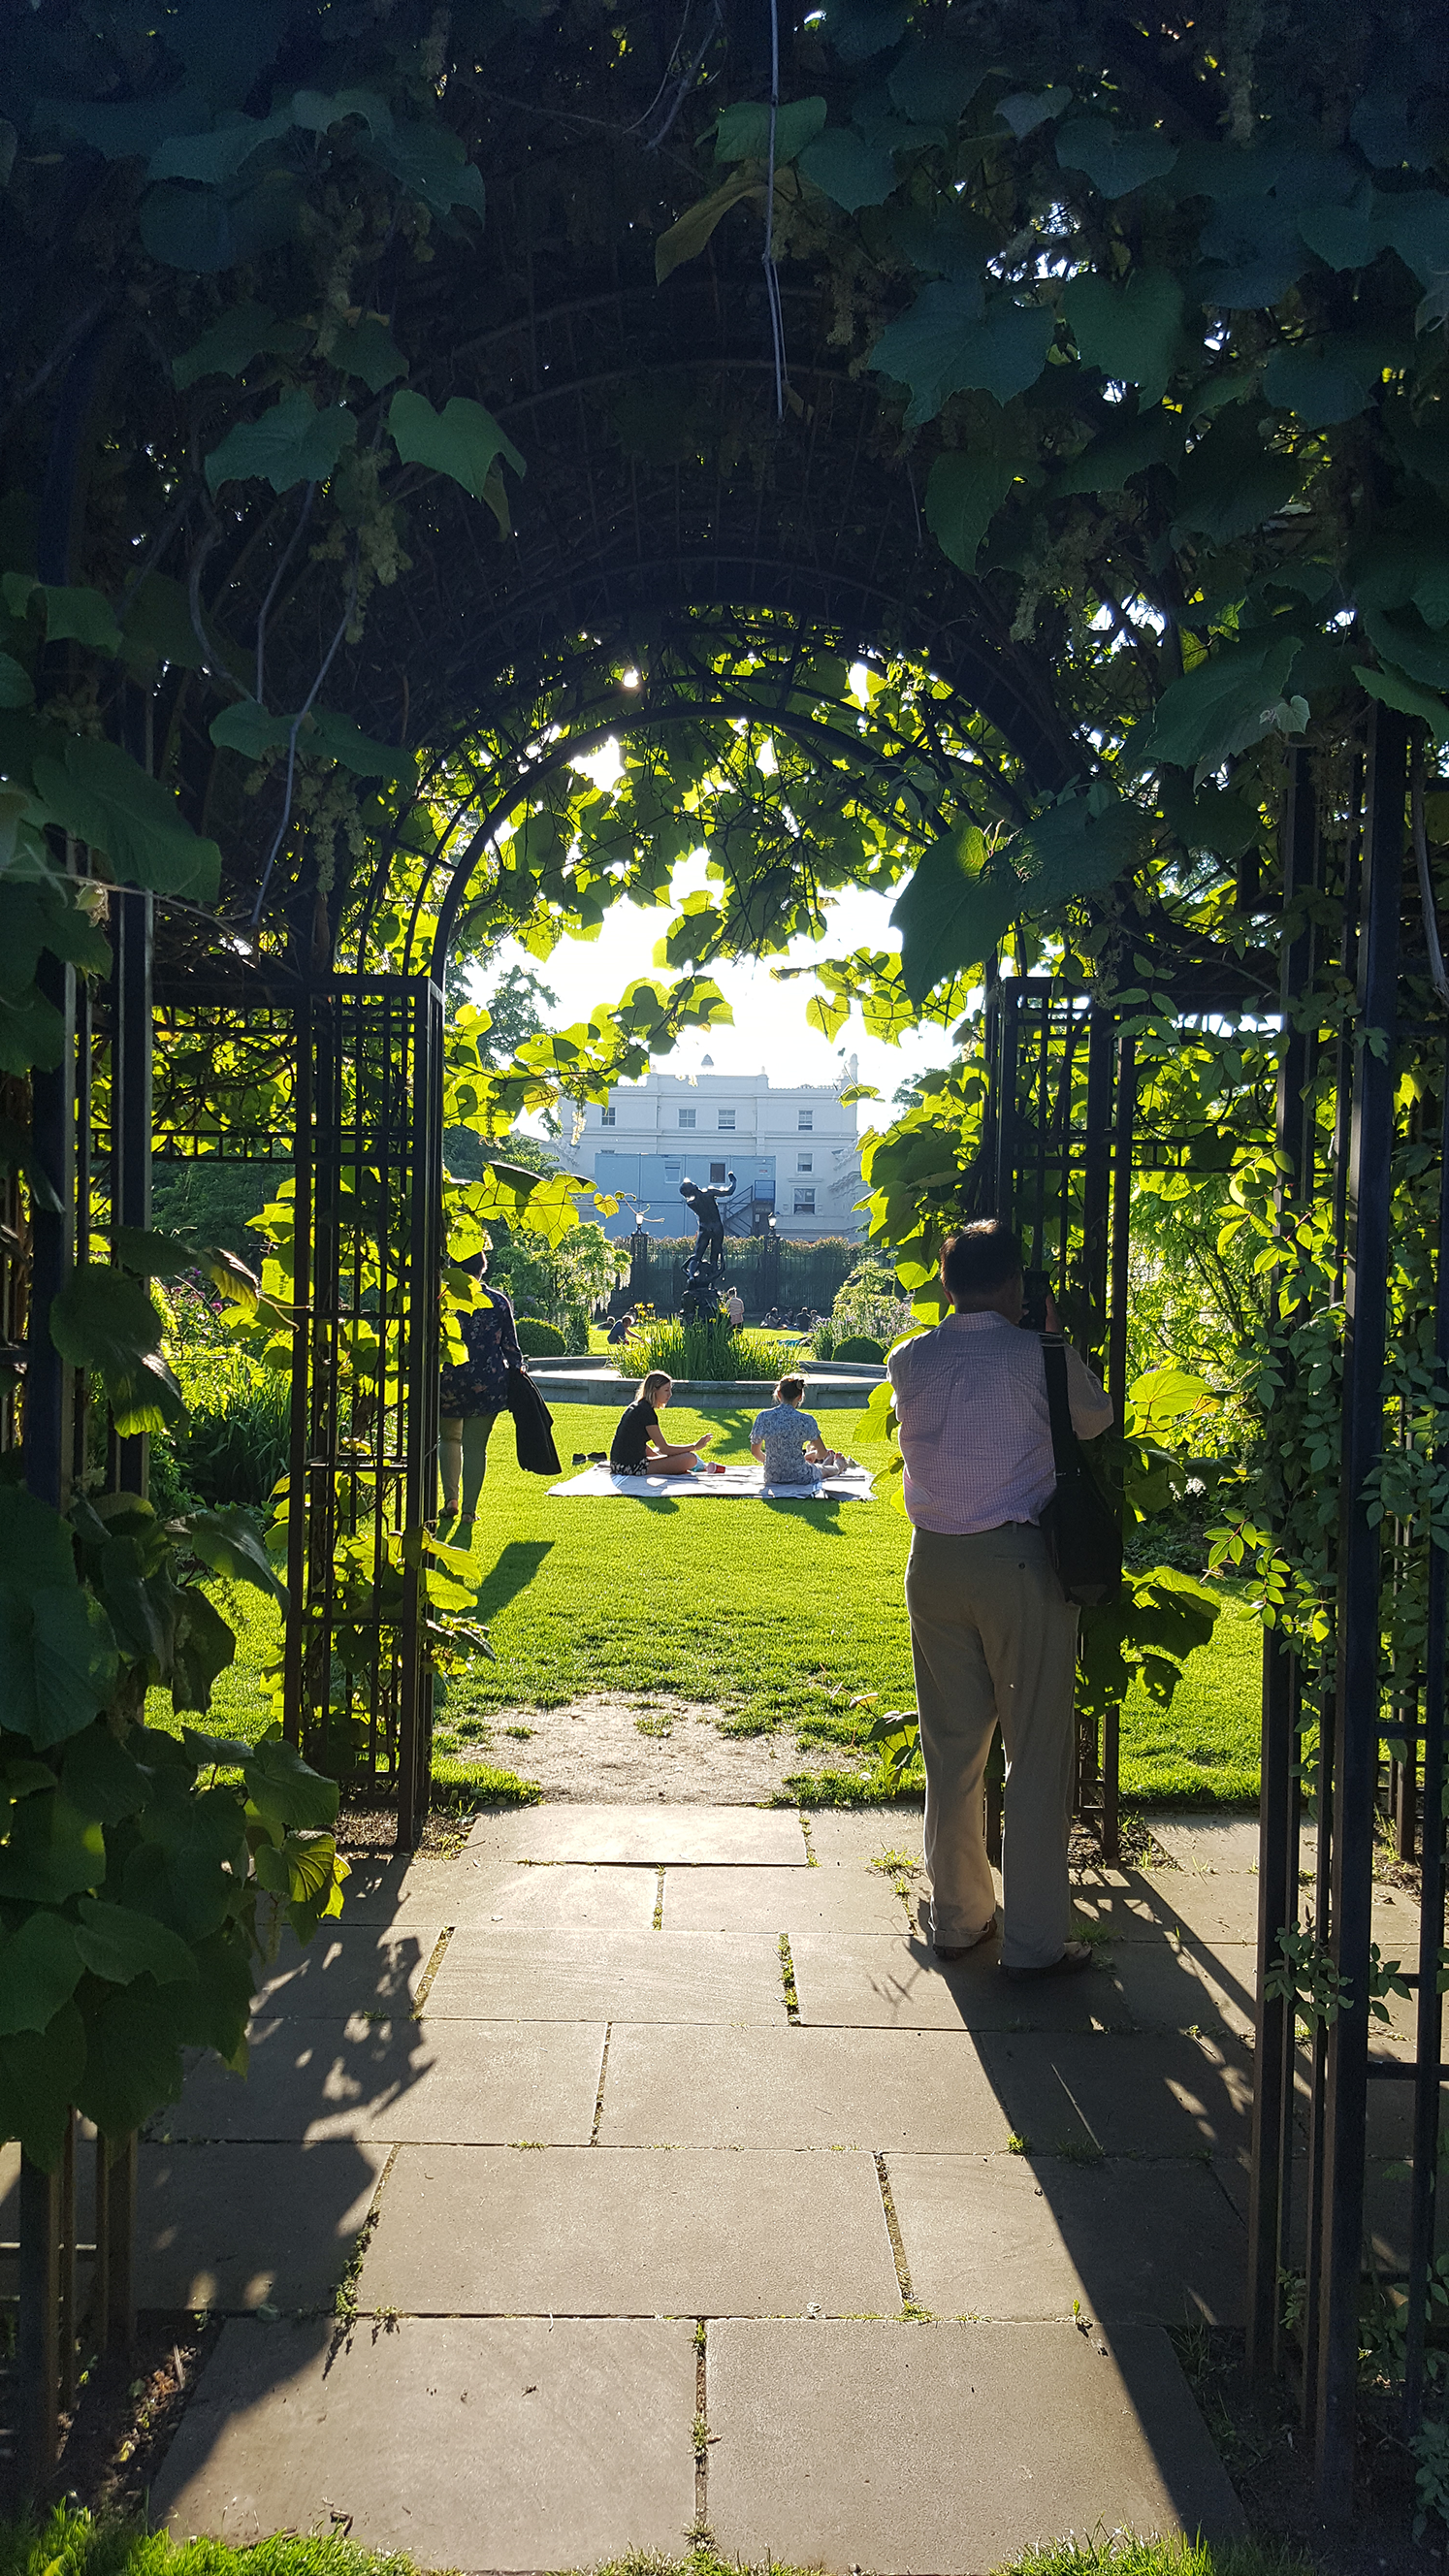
[640, 1449]
[789, 1442]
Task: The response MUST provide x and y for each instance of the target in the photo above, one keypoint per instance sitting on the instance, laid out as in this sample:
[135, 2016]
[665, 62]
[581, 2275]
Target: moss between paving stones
[781, 1614]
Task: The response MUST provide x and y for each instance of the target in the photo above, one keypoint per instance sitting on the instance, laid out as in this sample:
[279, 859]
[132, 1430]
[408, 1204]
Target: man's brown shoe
[964, 1950]
[1075, 1957]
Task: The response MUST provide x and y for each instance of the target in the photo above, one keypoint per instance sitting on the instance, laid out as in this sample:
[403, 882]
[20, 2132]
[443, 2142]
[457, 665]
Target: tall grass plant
[715, 1352]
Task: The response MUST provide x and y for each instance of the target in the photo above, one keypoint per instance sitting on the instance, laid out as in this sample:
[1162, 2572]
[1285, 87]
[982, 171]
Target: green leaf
[1109, 462]
[228, 1541]
[186, 1871]
[107, 800]
[204, 1647]
[847, 169]
[57, 1661]
[944, 345]
[103, 1319]
[368, 349]
[1393, 690]
[462, 440]
[1131, 332]
[80, 615]
[124, 131]
[200, 230]
[1409, 645]
[431, 163]
[936, 78]
[100, 1779]
[133, 2057]
[120, 1945]
[40, 2072]
[292, 443]
[17, 689]
[1215, 819]
[50, 1852]
[964, 491]
[964, 896]
[40, 1968]
[1252, 253]
[35, 1544]
[743, 131]
[214, 2013]
[1323, 381]
[1024, 109]
[1231, 482]
[687, 236]
[250, 729]
[337, 738]
[216, 157]
[243, 332]
[1223, 705]
[158, 626]
[284, 1788]
[1115, 161]
[1342, 236]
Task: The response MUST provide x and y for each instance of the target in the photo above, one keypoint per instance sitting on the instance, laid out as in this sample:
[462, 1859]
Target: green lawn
[780, 1612]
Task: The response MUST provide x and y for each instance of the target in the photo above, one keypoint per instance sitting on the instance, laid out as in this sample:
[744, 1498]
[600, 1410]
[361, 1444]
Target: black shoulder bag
[1079, 1524]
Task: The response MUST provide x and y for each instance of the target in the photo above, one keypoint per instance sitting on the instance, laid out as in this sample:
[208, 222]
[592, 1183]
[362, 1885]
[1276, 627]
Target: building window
[804, 1162]
[804, 1202]
[606, 1118]
[716, 1174]
[726, 1118]
[807, 1120]
[686, 1118]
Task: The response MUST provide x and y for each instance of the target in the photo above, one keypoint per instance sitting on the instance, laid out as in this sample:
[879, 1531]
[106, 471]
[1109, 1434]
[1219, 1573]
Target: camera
[1036, 1285]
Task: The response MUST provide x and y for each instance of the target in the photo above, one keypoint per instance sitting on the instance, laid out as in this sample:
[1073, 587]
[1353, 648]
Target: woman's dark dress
[480, 1384]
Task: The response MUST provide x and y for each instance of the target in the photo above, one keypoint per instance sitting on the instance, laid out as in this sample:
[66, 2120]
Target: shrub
[705, 1351]
[232, 1447]
[538, 1340]
[870, 1303]
[859, 1346]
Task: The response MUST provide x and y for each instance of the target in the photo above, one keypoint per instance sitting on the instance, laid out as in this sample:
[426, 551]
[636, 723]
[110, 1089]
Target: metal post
[1356, 1744]
[1429, 2034]
[295, 1640]
[418, 1373]
[131, 1117]
[1121, 1226]
[37, 2351]
[1096, 1187]
[1272, 2165]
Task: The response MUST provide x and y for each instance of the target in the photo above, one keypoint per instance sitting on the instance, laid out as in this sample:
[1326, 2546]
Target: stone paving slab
[247, 2226]
[874, 1982]
[470, 2442]
[694, 2087]
[1008, 2236]
[950, 2447]
[1186, 1985]
[356, 2079]
[377, 1891]
[838, 1897]
[678, 1837]
[1212, 1840]
[1148, 2093]
[476, 2230]
[1386, 2206]
[345, 1970]
[862, 1833]
[541, 1974]
[563, 1896]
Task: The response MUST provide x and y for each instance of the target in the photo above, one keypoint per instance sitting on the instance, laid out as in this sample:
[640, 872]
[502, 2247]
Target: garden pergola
[722, 512]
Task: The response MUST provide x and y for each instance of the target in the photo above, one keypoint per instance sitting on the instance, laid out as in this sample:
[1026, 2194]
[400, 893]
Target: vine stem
[1437, 976]
[772, 281]
[298, 719]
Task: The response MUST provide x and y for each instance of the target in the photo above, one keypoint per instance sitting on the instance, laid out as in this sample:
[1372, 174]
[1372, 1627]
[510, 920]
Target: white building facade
[795, 1153]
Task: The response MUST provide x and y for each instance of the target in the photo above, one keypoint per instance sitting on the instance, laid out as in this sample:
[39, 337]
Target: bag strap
[1054, 1366]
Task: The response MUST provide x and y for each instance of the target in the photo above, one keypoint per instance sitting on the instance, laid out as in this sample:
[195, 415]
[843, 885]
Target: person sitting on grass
[640, 1449]
[789, 1441]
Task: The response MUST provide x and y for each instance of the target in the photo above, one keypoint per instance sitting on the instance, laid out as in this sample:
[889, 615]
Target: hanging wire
[772, 274]
[1437, 975]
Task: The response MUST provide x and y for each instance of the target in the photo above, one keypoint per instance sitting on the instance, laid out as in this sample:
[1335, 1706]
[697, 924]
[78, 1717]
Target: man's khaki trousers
[993, 1638]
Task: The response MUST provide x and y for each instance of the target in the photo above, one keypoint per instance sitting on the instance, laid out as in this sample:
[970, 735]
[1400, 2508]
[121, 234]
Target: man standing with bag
[993, 1635]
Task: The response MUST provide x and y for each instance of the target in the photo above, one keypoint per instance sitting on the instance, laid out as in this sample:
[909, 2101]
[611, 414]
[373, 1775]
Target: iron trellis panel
[369, 1154]
[1356, 1730]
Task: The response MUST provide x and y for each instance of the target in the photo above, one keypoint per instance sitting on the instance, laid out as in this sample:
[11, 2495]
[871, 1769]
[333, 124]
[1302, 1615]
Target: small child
[789, 1441]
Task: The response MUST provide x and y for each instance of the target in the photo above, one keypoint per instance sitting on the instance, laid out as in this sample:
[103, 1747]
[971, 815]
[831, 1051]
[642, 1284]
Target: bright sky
[769, 1027]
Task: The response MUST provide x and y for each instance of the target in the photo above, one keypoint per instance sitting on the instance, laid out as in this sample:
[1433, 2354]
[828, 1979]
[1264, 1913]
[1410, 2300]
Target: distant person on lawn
[639, 1447]
[993, 1636]
[471, 1395]
[789, 1442]
[734, 1310]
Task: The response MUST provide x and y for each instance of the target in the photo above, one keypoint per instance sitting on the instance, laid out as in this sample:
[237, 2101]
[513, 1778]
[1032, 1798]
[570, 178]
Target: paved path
[692, 2190]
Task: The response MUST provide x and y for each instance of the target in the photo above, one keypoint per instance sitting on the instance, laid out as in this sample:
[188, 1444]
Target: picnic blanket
[736, 1485]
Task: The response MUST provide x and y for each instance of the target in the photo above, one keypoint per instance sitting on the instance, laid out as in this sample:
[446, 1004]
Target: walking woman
[472, 1394]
